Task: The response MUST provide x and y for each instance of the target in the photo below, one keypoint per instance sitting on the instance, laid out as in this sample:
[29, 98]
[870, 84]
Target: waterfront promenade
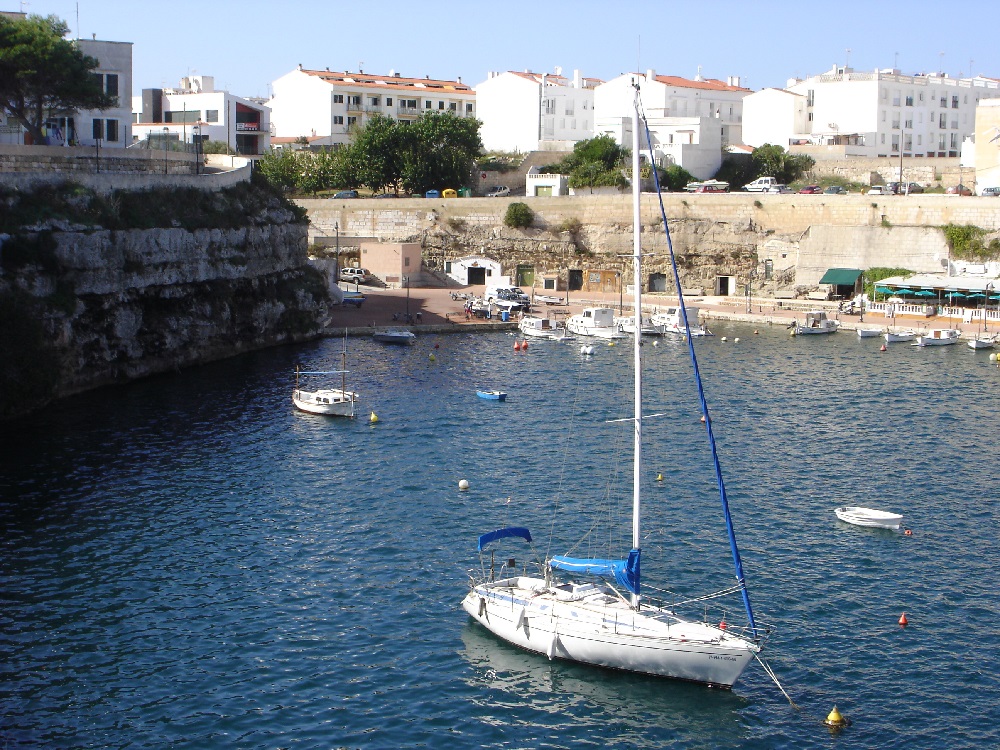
[439, 312]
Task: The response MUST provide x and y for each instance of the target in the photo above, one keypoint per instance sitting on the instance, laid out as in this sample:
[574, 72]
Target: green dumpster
[464, 192]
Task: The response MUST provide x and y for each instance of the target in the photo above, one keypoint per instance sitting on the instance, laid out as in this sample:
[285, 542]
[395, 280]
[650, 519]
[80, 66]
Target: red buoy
[524, 345]
[723, 625]
[903, 622]
[517, 346]
[908, 532]
[883, 348]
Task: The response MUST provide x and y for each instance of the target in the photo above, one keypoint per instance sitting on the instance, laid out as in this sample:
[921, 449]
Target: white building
[882, 113]
[775, 116]
[525, 111]
[673, 96]
[987, 148]
[314, 103]
[694, 143]
[196, 110]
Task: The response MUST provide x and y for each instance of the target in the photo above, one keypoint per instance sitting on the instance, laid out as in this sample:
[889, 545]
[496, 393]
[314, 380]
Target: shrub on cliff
[518, 216]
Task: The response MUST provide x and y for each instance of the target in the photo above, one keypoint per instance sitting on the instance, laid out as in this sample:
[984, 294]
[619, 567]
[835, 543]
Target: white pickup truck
[760, 185]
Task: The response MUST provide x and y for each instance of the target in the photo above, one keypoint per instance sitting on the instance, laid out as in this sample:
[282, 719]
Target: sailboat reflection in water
[598, 617]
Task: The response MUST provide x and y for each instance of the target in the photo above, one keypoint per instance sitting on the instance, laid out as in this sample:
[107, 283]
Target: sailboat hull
[600, 629]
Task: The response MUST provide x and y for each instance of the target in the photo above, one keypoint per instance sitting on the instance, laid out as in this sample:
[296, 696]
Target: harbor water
[188, 562]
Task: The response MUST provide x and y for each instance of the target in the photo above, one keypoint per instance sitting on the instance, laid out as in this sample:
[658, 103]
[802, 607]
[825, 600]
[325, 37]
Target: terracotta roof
[389, 82]
[553, 78]
[711, 84]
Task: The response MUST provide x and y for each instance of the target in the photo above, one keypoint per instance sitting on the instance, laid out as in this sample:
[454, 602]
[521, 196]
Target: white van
[760, 185]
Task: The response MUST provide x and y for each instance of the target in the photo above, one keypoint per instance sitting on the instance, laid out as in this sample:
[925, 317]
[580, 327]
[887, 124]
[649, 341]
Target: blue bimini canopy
[625, 572]
[510, 531]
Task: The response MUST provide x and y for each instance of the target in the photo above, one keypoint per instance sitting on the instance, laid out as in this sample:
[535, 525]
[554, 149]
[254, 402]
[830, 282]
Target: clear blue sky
[246, 45]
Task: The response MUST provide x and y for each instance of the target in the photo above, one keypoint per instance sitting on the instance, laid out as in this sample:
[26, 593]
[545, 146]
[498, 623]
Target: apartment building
[690, 121]
[196, 110]
[883, 113]
[526, 111]
[323, 105]
[775, 116]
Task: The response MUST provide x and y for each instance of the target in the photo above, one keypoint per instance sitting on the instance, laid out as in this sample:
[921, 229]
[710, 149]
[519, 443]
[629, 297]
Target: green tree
[438, 151]
[42, 73]
[596, 162]
[774, 161]
[280, 168]
[376, 152]
[674, 177]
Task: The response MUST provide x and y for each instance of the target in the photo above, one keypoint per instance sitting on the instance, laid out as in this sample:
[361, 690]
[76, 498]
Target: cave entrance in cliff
[574, 279]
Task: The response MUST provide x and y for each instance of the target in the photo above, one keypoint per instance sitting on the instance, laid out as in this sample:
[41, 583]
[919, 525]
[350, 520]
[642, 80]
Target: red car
[811, 190]
[958, 190]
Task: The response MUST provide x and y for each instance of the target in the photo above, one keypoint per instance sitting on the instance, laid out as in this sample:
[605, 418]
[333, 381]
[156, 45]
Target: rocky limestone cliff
[83, 306]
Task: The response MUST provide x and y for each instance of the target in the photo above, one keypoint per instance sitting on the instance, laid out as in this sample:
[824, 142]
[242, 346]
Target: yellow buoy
[611, 343]
[659, 477]
[373, 418]
[836, 719]
[433, 358]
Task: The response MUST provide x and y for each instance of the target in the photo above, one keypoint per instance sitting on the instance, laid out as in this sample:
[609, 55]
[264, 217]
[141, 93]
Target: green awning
[841, 276]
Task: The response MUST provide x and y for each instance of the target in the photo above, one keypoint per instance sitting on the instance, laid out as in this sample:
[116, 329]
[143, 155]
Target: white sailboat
[333, 402]
[983, 339]
[604, 621]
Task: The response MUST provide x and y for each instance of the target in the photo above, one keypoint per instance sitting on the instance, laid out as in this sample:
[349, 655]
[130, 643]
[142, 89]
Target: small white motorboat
[869, 333]
[938, 337]
[899, 337]
[869, 517]
[816, 323]
[981, 342]
[395, 336]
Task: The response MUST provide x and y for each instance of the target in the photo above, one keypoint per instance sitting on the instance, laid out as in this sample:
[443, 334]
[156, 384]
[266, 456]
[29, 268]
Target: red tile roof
[389, 82]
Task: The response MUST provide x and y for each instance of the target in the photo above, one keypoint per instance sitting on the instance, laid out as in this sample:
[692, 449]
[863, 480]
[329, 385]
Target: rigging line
[773, 676]
[737, 561]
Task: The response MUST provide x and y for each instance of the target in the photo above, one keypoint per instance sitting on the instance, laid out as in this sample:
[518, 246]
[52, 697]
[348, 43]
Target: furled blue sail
[625, 572]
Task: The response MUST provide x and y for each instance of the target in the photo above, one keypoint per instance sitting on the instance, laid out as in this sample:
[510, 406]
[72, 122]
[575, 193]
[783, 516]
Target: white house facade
[322, 105]
[197, 111]
[673, 96]
[525, 111]
[774, 116]
[987, 149]
[694, 143]
[883, 113]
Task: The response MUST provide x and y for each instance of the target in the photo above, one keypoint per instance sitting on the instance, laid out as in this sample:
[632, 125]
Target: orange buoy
[883, 348]
[524, 345]
[908, 532]
[903, 622]
[703, 419]
[517, 346]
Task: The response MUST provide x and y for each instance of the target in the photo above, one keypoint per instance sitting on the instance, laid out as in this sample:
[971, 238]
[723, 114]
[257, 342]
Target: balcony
[407, 111]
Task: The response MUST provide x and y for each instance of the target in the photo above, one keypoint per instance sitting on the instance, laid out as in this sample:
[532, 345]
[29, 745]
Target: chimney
[460, 79]
[557, 70]
[300, 66]
[650, 75]
[577, 80]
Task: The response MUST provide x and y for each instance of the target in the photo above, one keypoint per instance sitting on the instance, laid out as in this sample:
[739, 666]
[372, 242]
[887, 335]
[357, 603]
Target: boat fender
[521, 619]
[551, 650]
[482, 606]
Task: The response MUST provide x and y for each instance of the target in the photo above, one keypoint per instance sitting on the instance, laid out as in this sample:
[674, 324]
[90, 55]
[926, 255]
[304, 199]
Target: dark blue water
[188, 562]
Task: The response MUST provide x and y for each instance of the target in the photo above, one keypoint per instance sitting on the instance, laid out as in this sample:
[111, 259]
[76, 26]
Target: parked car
[914, 187]
[712, 187]
[958, 190]
[345, 194]
[991, 192]
[811, 190]
[356, 275]
[835, 190]
[385, 195]
[779, 189]
[760, 185]
[498, 191]
[880, 190]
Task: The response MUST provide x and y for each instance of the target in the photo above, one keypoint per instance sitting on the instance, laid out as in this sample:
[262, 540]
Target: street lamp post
[165, 131]
[406, 281]
[862, 298]
[336, 264]
[196, 131]
[753, 275]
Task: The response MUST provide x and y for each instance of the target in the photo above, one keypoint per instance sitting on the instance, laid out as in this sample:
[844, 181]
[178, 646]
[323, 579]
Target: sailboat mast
[637, 335]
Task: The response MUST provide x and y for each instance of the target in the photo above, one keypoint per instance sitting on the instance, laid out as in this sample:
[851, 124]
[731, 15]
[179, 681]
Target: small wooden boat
[869, 517]
[899, 337]
[492, 395]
